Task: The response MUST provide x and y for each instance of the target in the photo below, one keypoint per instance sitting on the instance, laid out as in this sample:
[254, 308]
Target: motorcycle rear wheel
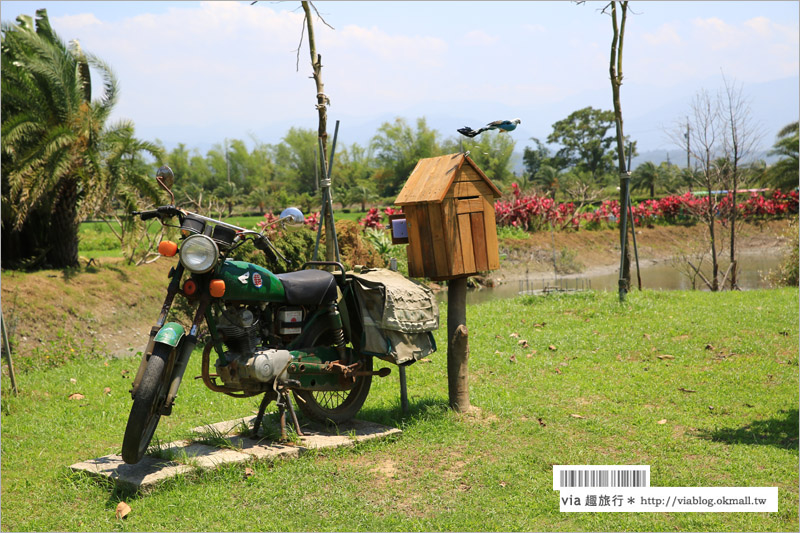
[336, 406]
[146, 409]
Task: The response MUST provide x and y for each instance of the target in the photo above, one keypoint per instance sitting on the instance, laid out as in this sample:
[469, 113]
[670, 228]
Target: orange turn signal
[167, 248]
[189, 287]
[216, 288]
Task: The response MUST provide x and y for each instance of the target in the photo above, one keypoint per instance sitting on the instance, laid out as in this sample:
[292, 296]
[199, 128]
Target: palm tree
[645, 177]
[784, 174]
[51, 140]
[547, 178]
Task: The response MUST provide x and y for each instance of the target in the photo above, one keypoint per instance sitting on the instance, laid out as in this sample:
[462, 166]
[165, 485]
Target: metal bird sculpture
[502, 125]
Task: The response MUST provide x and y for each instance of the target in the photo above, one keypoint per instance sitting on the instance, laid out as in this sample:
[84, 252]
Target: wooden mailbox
[449, 209]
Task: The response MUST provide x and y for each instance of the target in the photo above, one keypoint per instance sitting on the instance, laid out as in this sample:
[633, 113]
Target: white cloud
[76, 22]
[233, 64]
[760, 25]
[717, 34]
[420, 50]
[666, 34]
[478, 38]
[534, 28]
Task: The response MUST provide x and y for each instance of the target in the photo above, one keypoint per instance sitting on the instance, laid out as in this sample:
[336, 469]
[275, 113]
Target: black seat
[309, 287]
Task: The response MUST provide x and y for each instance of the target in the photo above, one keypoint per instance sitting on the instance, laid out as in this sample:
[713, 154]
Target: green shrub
[297, 248]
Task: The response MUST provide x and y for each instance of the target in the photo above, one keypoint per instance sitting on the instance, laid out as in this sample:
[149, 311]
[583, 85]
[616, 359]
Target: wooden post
[7, 353]
[457, 345]
[322, 131]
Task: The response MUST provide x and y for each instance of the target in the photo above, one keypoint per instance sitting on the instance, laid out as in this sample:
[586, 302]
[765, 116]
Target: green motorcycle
[301, 332]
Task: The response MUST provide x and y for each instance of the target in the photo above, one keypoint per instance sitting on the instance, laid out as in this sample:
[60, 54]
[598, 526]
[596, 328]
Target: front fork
[174, 286]
[179, 356]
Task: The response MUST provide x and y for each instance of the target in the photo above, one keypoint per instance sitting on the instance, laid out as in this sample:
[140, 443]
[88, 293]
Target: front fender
[170, 334]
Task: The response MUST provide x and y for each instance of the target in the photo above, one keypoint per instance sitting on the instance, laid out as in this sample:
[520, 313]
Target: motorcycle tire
[335, 406]
[146, 409]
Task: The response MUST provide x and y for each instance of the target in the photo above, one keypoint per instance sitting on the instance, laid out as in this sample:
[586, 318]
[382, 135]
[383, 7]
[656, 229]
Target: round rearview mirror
[292, 218]
[165, 176]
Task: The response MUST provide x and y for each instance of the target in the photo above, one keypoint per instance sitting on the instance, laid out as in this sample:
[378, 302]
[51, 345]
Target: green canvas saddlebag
[398, 316]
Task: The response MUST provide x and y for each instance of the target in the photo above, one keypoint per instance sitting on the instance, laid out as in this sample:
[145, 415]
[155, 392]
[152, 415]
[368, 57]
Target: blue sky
[200, 72]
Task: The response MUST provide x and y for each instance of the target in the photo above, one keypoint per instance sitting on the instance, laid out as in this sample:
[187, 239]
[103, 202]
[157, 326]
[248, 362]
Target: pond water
[753, 271]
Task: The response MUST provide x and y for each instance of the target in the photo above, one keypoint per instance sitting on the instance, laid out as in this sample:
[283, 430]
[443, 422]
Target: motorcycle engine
[239, 328]
[246, 361]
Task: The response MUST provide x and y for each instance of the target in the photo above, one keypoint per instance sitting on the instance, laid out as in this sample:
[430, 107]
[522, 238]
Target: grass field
[728, 393]
[97, 240]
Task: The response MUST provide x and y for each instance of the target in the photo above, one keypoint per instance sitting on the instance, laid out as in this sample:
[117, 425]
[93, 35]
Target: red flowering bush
[533, 213]
[273, 229]
[312, 221]
[372, 219]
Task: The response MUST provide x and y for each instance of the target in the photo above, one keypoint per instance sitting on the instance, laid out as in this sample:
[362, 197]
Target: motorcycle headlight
[199, 254]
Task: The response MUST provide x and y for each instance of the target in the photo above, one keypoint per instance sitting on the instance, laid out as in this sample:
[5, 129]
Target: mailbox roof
[432, 178]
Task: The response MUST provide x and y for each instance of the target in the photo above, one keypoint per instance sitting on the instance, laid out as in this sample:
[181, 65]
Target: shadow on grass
[418, 410]
[780, 431]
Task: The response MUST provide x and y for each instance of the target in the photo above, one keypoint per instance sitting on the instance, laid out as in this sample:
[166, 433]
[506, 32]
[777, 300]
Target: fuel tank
[248, 282]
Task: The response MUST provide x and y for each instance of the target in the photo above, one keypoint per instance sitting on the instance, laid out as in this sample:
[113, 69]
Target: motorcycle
[300, 332]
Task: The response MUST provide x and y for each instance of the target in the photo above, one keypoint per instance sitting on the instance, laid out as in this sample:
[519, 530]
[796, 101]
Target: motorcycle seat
[309, 287]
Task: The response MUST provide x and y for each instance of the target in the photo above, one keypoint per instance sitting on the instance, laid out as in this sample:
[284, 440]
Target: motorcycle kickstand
[260, 416]
[282, 413]
[284, 403]
[296, 424]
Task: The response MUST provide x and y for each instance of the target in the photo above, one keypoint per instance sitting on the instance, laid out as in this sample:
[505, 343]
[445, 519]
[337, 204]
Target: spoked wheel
[146, 409]
[336, 406]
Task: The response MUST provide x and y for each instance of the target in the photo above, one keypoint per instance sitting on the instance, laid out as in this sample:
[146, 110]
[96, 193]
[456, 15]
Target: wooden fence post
[457, 345]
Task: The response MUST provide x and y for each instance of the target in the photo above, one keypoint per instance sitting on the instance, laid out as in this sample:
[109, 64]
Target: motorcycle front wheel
[336, 406]
[146, 409]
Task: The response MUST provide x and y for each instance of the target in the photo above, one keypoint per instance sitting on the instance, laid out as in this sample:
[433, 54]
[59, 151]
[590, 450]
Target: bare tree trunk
[710, 220]
[702, 143]
[322, 131]
[615, 72]
[457, 345]
[740, 143]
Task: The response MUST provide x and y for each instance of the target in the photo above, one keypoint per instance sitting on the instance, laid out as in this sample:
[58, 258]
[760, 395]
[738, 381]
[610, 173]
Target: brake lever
[264, 244]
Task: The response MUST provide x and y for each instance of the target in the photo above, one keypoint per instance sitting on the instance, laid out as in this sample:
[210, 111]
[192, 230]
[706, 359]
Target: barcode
[569, 476]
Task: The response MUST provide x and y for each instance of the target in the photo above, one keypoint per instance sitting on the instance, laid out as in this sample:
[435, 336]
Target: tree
[585, 141]
[784, 173]
[703, 143]
[740, 141]
[354, 172]
[52, 134]
[492, 154]
[129, 184]
[397, 148]
[533, 159]
[295, 160]
[645, 177]
[331, 252]
[615, 74]
[548, 179]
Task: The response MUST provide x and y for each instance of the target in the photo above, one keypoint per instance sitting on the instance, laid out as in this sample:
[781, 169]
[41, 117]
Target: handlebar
[167, 211]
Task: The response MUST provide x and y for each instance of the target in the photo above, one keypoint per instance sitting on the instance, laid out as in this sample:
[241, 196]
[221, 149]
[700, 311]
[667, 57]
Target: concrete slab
[187, 456]
[204, 456]
[142, 476]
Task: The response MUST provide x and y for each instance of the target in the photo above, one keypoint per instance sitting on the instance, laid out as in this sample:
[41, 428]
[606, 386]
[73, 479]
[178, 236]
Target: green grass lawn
[491, 470]
[97, 239]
